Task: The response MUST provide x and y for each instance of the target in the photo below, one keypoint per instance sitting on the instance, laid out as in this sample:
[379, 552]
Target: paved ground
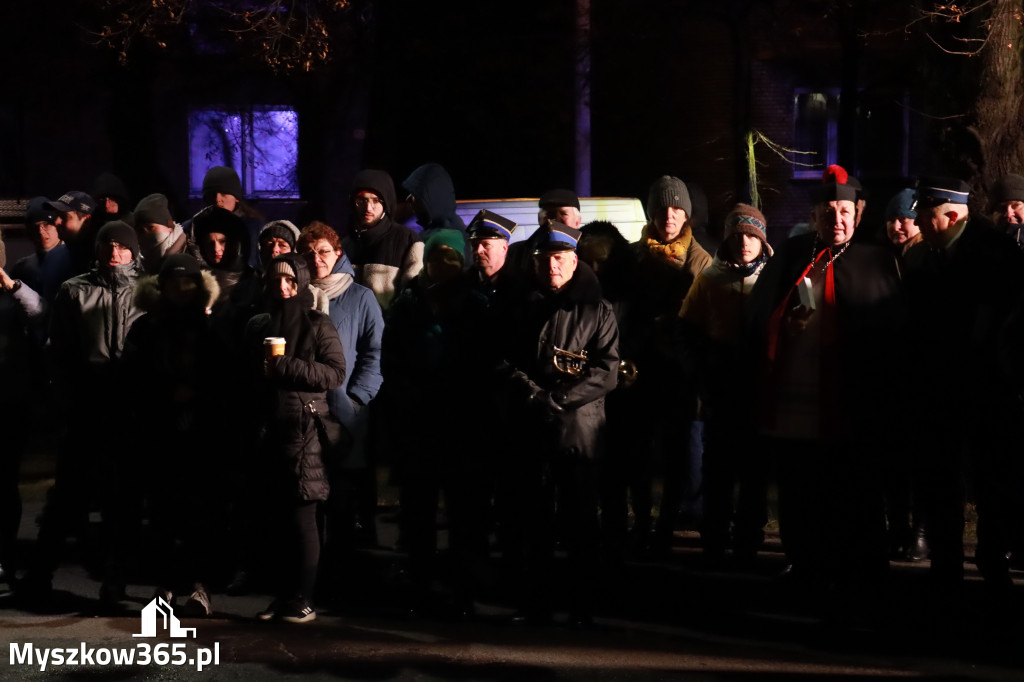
[658, 620]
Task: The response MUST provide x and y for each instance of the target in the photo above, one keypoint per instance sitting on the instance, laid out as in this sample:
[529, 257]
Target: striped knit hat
[746, 219]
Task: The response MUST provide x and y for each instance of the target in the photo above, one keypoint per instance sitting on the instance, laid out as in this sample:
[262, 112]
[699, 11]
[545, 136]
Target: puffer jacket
[360, 325]
[304, 374]
[90, 320]
[575, 319]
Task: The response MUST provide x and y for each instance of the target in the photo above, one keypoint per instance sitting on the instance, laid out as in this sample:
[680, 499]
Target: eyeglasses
[363, 202]
[323, 253]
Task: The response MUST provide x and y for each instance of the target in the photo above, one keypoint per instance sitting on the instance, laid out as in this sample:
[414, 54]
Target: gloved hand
[547, 403]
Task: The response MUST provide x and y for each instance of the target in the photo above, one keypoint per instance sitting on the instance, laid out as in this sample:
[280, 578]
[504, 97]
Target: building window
[816, 123]
[260, 143]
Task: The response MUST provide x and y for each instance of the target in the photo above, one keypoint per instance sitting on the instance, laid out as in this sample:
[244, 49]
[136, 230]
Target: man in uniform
[563, 360]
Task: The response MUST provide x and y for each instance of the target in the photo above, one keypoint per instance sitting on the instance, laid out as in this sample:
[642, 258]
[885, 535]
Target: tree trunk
[999, 109]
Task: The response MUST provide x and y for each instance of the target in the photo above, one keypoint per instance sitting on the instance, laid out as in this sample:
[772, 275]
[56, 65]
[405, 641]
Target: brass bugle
[568, 362]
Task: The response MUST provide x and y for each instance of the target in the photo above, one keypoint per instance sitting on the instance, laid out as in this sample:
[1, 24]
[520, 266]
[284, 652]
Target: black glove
[547, 402]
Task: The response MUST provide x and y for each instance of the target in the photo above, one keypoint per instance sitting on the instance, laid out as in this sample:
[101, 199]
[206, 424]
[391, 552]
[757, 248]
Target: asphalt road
[670, 619]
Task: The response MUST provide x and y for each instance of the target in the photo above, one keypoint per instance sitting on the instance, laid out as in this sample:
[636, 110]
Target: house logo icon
[159, 610]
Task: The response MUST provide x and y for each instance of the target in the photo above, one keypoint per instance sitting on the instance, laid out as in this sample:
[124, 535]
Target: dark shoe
[918, 550]
[165, 594]
[239, 584]
[532, 617]
[297, 611]
[270, 613]
[111, 592]
[35, 589]
[198, 604]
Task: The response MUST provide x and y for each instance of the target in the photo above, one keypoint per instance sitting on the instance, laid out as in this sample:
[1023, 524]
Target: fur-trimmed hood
[147, 292]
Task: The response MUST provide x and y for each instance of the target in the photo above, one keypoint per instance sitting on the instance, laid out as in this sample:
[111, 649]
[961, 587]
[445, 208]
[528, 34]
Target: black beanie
[179, 264]
[1010, 187]
[153, 209]
[120, 232]
[221, 180]
[668, 191]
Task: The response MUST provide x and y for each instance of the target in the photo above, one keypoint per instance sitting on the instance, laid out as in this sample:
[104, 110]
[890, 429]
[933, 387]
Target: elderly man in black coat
[562, 362]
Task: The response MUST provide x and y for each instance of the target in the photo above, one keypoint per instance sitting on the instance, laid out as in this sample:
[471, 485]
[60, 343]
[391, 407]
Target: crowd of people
[570, 389]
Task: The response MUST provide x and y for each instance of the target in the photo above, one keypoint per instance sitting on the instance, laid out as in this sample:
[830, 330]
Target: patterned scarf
[673, 252]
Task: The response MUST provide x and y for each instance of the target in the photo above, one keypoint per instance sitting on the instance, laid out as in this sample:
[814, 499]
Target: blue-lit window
[260, 143]
[815, 129]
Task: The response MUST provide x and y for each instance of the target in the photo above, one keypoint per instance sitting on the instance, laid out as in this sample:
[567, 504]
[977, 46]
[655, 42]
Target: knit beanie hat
[181, 264]
[279, 229]
[221, 180]
[1010, 187]
[902, 205]
[120, 232]
[745, 219]
[668, 191]
[453, 239]
[153, 209]
[293, 265]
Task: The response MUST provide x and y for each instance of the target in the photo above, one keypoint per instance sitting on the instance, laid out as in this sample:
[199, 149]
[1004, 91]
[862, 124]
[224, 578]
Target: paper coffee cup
[273, 345]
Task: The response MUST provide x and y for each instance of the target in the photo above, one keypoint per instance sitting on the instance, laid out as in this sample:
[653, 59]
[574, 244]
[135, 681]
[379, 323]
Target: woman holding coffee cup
[302, 359]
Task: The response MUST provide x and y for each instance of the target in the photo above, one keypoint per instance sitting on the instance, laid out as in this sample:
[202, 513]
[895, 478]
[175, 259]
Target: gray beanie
[153, 209]
[668, 191]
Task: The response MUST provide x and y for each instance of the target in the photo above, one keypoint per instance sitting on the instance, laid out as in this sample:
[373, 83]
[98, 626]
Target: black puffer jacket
[575, 319]
[313, 363]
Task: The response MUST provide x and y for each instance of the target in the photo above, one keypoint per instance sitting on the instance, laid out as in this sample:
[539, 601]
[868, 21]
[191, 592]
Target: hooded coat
[435, 192]
[386, 255]
[313, 363]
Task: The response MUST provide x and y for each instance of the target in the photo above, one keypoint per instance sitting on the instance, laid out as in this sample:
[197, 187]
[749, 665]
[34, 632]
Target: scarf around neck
[673, 252]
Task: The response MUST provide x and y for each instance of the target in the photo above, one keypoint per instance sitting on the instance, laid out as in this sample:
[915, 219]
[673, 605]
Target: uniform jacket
[575, 319]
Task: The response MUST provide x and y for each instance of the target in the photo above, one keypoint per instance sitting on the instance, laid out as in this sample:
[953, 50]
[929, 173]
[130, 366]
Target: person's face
[110, 206]
[744, 248]
[669, 222]
[1011, 213]
[568, 215]
[556, 269]
[834, 221]
[155, 229]
[595, 252]
[901, 230]
[322, 257]
[935, 220]
[273, 247]
[489, 254]
[114, 253]
[285, 286]
[213, 247]
[46, 234]
[71, 223]
[179, 289]
[369, 209]
[226, 201]
[442, 264]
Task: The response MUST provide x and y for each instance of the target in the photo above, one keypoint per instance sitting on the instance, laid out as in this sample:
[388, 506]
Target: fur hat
[668, 191]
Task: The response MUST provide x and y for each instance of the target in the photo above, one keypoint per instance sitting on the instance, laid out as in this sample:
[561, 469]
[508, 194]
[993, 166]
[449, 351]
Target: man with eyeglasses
[384, 253]
[89, 323]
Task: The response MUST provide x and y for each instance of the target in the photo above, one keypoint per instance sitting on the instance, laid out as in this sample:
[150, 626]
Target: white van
[626, 213]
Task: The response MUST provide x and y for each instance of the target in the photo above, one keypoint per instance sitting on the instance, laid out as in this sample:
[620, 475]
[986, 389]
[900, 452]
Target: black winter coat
[306, 372]
[575, 319]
